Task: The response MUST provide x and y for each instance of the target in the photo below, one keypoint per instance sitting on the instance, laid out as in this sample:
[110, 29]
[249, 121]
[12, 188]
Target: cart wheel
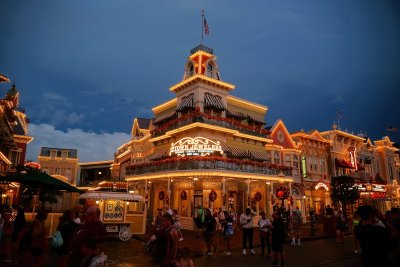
[125, 233]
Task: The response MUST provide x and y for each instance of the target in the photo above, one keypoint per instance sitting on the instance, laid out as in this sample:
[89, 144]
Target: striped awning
[159, 154]
[235, 114]
[213, 101]
[260, 155]
[255, 119]
[186, 102]
[166, 116]
[238, 152]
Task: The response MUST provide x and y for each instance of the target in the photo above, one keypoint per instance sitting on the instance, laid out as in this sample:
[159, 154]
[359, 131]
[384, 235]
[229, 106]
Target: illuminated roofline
[97, 163]
[211, 127]
[23, 137]
[340, 132]
[213, 173]
[166, 105]
[309, 136]
[201, 53]
[247, 104]
[188, 81]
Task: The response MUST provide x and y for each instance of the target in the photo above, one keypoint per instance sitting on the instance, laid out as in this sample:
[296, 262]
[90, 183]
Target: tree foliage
[343, 190]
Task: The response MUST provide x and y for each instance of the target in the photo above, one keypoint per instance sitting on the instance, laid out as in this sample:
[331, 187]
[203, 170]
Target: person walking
[227, 232]
[340, 227]
[39, 240]
[177, 224]
[355, 222]
[265, 233]
[67, 228]
[209, 232]
[277, 238]
[92, 232]
[246, 220]
[296, 223]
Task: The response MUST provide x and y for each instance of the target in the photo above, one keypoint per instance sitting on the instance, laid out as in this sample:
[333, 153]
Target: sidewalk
[198, 246]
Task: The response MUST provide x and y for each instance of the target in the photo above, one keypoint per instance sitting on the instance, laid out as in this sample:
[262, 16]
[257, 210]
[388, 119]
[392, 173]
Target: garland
[198, 113]
[212, 159]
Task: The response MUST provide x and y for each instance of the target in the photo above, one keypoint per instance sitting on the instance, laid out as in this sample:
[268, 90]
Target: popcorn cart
[122, 213]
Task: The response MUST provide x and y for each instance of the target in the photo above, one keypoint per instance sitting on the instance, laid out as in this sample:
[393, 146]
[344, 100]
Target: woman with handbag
[265, 235]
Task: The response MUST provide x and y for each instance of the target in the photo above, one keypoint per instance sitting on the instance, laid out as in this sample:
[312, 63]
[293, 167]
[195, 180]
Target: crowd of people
[79, 241]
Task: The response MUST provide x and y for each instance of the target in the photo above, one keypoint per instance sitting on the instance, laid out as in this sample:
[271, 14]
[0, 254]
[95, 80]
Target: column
[224, 194]
[169, 192]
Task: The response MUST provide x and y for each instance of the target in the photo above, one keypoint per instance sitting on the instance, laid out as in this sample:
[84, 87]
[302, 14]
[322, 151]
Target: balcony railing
[155, 167]
[212, 120]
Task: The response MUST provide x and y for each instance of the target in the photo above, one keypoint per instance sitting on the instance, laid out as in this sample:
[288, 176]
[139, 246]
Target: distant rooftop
[45, 152]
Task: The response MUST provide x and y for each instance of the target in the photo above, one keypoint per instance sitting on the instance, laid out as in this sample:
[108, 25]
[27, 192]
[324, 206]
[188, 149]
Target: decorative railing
[197, 116]
[208, 163]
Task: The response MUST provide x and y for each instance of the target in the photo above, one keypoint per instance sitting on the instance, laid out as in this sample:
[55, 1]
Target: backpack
[57, 240]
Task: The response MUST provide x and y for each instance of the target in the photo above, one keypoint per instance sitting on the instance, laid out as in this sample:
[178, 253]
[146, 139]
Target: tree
[344, 191]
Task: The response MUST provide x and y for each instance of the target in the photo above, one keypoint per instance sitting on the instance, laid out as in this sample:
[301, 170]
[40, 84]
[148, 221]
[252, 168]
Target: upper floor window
[53, 153]
[210, 69]
[288, 160]
[57, 170]
[191, 70]
[277, 157]
[64, 154]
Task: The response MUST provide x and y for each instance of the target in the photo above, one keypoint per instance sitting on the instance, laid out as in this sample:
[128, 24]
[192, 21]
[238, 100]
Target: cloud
[55, 99]
[91, 146]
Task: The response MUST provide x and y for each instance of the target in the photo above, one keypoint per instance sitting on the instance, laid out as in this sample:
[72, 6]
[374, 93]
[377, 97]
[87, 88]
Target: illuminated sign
[352, 153]
[370, 188]
[198, 146]
[324, 186]
[304, 167]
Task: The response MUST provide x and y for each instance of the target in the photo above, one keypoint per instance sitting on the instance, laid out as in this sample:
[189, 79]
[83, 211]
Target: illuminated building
[205, 147]
[315, 169]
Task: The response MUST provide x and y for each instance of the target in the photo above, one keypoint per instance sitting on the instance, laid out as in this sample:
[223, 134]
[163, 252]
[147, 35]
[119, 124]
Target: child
[93, 256]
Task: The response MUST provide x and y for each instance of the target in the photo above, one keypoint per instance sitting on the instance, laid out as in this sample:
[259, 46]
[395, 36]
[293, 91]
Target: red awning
[347, 164]
[360, 167]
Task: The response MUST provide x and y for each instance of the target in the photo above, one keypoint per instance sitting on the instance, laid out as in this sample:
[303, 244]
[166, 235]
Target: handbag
[57, 240]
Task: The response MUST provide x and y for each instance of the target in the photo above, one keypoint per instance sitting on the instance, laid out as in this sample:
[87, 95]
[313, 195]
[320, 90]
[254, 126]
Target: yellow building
[205, 147]
[60, 161]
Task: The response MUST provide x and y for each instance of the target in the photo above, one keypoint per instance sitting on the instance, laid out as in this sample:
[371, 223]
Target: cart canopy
[98, 195]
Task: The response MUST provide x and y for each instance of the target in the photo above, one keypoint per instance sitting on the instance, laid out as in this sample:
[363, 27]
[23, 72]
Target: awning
[164, 117]
[186, 102]
[342, 163]
[255, 119]
[260, 155]
[235, 114]
[213, 101]
[238, 152]
[360, 167]
[160, 154]
[98, 195]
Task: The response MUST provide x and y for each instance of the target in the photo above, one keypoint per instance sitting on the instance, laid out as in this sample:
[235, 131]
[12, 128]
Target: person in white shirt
[246, 220]
[265, 234]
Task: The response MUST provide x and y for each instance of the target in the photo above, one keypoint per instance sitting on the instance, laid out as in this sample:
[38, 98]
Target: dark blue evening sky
[86, 68]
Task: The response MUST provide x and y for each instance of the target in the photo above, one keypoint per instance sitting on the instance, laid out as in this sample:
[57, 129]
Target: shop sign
[304, 167]
[352, 153]
[198, 146]
[371, 188]
[324, 186]
[113, 211]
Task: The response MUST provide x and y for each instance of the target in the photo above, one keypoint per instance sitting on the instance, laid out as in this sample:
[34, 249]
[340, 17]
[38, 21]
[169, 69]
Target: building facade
[204, 148]
[61, 162]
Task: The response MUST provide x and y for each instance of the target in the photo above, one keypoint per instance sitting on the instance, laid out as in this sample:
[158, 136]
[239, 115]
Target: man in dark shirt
[277, 238]
[373, 239]
[209, 232]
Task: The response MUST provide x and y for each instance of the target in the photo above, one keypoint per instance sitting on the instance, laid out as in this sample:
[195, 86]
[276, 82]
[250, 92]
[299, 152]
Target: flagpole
[202, 26]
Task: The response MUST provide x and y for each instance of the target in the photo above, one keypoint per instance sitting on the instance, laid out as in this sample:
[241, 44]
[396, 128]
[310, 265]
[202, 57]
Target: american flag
[206, 29]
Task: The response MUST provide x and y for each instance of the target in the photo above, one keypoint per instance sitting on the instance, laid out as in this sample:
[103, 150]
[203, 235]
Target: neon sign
[324, 186]
[352, 152]
[198, 146]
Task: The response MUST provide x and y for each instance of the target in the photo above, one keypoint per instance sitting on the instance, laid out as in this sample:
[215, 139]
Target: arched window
[210, 70]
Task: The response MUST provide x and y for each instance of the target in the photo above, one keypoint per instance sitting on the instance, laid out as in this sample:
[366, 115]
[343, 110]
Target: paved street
[322, 252]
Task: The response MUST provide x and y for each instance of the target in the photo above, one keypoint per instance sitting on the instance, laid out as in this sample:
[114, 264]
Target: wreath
[258, 196]
[183, 195]
[282, 192]
[213, 195]
[161, 195]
